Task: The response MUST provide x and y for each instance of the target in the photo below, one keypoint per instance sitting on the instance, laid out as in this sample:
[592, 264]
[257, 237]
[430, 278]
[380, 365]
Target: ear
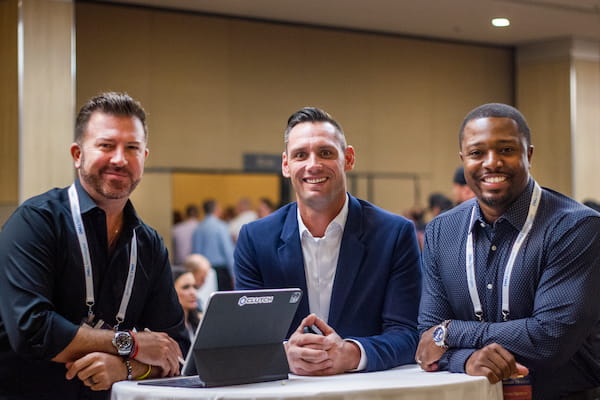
[460, 155]
[349, 158]
[285, 168]
[529, 154]
[146, 152]
[76, 154]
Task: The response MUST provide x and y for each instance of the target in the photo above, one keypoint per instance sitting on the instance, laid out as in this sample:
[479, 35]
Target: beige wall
[36, 100]
[9, 106]
[47, 97]
[559, 92]
[586, 141]
[543, 96]
[216, 88]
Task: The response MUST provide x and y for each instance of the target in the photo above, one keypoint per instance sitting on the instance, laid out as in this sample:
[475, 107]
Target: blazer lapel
[349, 261]
[291, 259]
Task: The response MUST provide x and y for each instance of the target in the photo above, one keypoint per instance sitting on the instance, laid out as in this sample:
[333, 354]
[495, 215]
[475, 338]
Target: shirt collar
[516, 214]
[339, 220]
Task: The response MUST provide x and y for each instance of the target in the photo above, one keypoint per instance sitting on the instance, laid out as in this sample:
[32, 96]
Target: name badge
[517, 389]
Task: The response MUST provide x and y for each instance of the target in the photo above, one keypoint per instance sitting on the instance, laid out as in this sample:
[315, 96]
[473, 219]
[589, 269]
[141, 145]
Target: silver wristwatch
[440, 334]
[124, 343]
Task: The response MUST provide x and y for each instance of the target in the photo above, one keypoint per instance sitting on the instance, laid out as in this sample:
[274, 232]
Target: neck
[317, 220]
[114, 224]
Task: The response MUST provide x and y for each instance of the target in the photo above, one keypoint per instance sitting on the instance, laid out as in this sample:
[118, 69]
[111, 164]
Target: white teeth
[495, 179]
[316, 180]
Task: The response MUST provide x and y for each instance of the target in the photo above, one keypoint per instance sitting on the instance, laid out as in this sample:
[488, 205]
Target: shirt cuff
[362, 364]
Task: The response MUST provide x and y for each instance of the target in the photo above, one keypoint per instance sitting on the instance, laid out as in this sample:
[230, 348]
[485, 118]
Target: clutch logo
[245, 300]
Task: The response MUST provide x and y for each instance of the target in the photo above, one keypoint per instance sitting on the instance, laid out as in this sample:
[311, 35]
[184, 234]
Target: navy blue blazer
[377, 285]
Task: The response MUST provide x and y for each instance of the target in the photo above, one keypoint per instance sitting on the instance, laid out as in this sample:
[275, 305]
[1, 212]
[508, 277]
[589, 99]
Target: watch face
[123, 341]
[438, 334]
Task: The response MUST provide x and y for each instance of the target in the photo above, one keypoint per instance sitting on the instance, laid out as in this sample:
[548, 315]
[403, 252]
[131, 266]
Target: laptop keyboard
[186, 382]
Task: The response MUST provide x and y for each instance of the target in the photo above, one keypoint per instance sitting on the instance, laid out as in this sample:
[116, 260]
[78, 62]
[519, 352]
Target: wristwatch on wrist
[124, 343]
[440, 334]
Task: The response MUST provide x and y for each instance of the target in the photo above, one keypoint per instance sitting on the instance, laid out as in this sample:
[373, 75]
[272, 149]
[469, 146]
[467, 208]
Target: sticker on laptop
[246, 300]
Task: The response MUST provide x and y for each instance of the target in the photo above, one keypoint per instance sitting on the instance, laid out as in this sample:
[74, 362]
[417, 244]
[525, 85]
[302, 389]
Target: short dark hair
[459, 176]
[209, 206]
[496, 110]
[440, 201]
[112, 103]
[312, 114]
[191, 211]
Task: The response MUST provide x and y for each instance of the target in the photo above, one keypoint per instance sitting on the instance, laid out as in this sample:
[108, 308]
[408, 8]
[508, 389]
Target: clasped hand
[327, 354]
[158, 349]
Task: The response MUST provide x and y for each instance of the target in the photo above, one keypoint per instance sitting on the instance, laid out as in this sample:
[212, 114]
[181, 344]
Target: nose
[313, 161]
[118, 157]
[492, 160]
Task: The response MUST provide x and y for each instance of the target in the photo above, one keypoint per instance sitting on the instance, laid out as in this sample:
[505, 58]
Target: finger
[504, 362]
[303, 367]
[521, 371]
[322, 325]
[77, 366]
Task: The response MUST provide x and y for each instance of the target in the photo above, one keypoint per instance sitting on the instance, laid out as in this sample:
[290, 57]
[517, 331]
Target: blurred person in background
[211, 238]
[182, 235]
[460, 190]
[204, 276]
[265, 207]
[245, 214]
[185, 286]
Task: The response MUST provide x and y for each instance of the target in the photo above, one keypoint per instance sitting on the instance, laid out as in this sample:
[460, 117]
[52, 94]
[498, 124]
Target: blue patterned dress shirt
[554, 323]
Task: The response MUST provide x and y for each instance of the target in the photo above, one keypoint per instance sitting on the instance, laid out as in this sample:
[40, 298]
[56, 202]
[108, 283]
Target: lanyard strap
[470, 258]
[87, 261]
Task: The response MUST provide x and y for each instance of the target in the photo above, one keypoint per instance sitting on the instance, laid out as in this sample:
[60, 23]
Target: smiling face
[497, 159]
[316, 164]
[110, 158]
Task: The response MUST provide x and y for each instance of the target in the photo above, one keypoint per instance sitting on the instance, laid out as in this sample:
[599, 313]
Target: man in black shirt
[78, 259]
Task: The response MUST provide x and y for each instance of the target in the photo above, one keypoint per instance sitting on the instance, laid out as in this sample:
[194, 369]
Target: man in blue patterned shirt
[511, 276]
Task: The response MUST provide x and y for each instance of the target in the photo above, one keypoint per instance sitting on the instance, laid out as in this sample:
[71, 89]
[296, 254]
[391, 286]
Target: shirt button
[482, 225]
[489, 286]
[494, 247]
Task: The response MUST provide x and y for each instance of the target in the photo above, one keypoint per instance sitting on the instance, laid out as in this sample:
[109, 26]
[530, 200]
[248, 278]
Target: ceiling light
[500, 22]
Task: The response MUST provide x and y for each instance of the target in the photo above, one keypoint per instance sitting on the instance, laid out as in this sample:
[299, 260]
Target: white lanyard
[87, 261]
[470, 261]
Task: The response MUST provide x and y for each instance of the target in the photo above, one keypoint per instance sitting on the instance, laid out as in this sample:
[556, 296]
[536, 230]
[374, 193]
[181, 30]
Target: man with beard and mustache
[511, 276]
[76, 260]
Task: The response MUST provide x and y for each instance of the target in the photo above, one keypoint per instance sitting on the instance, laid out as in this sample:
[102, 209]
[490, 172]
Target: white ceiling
[462, 20]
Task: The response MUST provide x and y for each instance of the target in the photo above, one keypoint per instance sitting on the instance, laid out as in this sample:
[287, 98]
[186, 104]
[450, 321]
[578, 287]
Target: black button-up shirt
[42, 289]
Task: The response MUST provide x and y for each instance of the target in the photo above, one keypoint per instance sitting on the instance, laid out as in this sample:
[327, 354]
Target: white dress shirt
[320, 264]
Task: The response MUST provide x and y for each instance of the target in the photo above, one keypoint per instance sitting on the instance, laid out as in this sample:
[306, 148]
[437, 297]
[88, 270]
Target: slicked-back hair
[496, 110]
[111, 103]
[313, 115]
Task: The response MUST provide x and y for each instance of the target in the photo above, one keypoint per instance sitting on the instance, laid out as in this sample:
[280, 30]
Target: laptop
[239, 340]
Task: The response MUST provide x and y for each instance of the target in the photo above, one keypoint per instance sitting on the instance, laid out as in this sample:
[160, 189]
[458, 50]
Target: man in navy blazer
[357, 264]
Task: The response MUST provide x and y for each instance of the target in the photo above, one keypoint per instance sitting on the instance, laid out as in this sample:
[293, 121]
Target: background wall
[9, 110]
[218, 87]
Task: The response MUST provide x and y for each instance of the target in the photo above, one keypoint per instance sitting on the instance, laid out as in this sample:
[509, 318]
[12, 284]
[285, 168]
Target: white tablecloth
[402, 383]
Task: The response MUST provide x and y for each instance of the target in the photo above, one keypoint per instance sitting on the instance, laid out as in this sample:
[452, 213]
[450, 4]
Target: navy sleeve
[397, 344]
